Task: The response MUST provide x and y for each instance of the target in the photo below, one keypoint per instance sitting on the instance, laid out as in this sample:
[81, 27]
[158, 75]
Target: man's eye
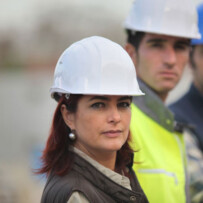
[124, 104]
[98, 105]
[181, 47]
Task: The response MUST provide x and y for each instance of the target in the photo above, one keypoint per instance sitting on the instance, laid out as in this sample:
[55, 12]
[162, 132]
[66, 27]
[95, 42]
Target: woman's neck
[107, 159]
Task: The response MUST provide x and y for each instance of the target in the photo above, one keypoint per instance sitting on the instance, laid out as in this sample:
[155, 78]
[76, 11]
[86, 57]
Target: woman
[87, 157]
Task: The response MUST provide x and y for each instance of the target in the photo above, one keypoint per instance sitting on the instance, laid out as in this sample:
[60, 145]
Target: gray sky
[22, 13]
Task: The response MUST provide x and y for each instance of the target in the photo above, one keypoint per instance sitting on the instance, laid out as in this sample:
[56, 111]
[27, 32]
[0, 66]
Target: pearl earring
[67, 96]
[72, 136]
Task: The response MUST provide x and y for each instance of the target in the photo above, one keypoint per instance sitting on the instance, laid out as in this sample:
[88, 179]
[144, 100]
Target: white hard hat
[95, 65]
[168, 17]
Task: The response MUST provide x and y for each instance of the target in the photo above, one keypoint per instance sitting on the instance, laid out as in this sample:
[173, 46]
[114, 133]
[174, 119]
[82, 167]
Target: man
[189, 111]
[159, 35]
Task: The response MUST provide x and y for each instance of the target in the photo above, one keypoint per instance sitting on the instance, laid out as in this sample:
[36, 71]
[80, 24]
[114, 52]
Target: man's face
[198, 69]
[160, 61]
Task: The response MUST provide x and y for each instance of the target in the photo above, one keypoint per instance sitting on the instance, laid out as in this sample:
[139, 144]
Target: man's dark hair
[134, 38]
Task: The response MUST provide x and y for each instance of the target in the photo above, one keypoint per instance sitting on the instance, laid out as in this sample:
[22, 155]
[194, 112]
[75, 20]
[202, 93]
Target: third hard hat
[200, 25]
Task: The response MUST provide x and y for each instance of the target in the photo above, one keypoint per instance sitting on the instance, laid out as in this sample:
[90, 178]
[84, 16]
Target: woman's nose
[114, 115]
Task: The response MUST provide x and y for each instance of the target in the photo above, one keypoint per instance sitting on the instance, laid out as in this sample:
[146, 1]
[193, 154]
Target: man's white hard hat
[169, 17]
[95, 65]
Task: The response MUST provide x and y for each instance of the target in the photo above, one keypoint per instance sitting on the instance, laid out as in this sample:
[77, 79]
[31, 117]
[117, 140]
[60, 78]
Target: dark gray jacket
[189, 110]
[97, 188]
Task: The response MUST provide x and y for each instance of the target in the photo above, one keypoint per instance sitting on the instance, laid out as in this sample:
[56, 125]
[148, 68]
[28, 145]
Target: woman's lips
[112, 133]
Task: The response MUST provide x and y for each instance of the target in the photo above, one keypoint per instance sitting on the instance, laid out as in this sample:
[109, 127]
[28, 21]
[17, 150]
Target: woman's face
[101, 123]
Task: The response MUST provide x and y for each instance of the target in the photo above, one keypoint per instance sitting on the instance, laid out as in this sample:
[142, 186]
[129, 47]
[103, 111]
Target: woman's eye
[124, 104]
[98, 105]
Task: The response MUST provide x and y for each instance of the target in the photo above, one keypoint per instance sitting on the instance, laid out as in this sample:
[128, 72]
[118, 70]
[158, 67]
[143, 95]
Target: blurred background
[33, 34]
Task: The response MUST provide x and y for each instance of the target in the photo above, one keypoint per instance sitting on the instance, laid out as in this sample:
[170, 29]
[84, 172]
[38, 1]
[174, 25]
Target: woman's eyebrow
[125, 98]
[108, 99]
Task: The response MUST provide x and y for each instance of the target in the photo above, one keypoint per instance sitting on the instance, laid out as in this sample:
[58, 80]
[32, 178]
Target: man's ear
[68, 117]
[132, 52]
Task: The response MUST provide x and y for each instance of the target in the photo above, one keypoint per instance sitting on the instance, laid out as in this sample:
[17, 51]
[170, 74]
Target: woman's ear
[68, 117]
[132, 52]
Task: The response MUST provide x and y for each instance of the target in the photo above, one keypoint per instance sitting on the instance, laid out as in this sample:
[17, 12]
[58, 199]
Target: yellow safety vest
[161, 157]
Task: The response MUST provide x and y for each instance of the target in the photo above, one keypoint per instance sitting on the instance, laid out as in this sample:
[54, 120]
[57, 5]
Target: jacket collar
[195, 95]
[105, 184]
